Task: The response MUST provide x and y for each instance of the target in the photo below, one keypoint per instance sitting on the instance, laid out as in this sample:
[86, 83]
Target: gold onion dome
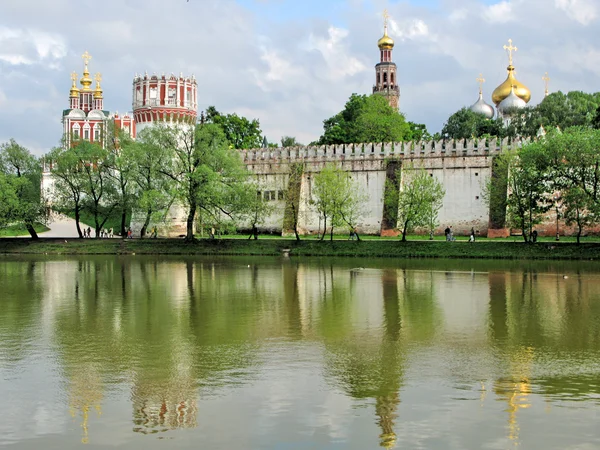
[86, 81]
[98, 90]
[503, 91]
[386, 42]
[74, 89]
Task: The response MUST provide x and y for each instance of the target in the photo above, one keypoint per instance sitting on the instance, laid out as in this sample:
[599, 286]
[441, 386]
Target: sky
[289, 63]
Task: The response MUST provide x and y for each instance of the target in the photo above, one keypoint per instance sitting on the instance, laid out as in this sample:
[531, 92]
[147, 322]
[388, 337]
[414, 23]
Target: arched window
[385, 77]
[392, 78]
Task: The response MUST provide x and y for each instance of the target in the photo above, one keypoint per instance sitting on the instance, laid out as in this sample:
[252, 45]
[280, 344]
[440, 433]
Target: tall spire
[546, 80]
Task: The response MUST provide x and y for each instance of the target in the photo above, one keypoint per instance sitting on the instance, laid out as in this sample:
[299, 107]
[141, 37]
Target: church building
[86, 117]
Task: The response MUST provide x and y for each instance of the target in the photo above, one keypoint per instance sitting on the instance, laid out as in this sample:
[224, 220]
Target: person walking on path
[472, 236]
[448, 234]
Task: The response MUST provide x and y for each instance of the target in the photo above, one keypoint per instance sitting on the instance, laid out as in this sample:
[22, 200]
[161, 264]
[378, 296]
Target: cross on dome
[86, 57]
[546, 80]
[386, 18]
[481, 80]
[510, 48]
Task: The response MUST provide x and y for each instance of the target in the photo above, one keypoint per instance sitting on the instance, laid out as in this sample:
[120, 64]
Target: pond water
[253, 353]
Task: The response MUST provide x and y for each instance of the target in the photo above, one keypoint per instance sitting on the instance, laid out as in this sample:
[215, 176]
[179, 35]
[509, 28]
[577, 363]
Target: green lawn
[20, 230]
[489, 249]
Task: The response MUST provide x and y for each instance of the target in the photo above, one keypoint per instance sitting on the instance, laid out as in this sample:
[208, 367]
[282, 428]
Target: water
[251, 353]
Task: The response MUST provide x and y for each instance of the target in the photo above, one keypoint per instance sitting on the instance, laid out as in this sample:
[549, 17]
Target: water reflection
[178, 332]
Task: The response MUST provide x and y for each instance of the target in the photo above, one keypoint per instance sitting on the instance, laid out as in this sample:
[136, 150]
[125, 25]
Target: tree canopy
[557, 110]
[20, 178]
[241, 132]
[365, 118]
[466, 124]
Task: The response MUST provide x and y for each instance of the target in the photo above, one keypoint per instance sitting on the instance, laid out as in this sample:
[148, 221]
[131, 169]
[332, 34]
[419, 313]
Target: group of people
[450, 235]
[104, 233]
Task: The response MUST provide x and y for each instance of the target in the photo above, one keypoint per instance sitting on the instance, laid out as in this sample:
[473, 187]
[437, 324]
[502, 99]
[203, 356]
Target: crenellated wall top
[410, 149]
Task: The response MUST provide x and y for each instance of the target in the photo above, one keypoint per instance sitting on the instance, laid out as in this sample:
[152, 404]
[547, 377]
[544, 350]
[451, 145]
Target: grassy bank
[274, 247]
[19, 229]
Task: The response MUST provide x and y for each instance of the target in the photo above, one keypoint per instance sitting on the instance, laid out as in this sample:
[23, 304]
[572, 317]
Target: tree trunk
[404, 230]
[77, 225]
[331, 235]
[145, 225]
[31, 230]
[579, 230]
[123, 222]
[324, 228]
[190, 223]
[296, 231]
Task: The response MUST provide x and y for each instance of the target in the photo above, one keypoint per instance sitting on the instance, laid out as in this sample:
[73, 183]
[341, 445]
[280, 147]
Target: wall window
[76, 133]
[279, 195]
[86, 134]
[96, 134]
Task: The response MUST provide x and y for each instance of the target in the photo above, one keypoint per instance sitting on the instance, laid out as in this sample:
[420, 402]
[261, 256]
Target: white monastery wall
[463, 167]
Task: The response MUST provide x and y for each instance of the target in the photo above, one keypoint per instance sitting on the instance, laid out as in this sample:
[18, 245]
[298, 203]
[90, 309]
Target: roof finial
[386, 18]
[510, 48]
[546, 80]
[481, 80]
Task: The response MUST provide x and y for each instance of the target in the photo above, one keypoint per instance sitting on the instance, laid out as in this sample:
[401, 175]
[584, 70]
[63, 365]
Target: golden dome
[386, 42]
[86, 81]
[98, 90]
[74, 89]
[503, 91]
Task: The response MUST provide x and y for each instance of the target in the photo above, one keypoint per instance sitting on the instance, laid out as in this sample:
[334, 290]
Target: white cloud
[499, 12]
[411, 29]
[20, 46]
[335, 53]
[583, 11]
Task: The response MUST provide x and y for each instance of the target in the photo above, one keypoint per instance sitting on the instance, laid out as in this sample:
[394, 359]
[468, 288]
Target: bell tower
[386, 79]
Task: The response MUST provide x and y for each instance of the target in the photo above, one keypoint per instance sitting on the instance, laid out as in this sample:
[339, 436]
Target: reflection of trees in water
[133, 319]
[544, 324]
[21, 285]
[419, 307]
[367, 363]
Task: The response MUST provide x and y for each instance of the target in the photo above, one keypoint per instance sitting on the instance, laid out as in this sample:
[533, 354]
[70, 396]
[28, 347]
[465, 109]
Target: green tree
[291, 196]
[242, 133]
[289, 141]
[419, 200]
[337, 198]
[577, 209]
[528, 191]
[365, 119]
[466, 124]
[208, 175]
[100, 193]
[67, 194]
[418, 132]
[123, 163]
[258, 209]
[153, 157]
[22, 174]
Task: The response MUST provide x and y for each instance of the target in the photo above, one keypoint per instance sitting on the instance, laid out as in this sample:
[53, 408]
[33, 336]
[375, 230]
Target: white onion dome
[512, 101]
[481, 107]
